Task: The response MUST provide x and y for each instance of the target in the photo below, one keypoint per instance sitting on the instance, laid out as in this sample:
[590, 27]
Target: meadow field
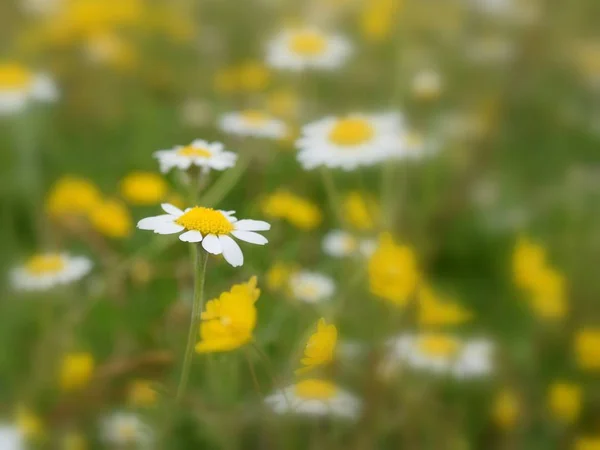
[300, 224]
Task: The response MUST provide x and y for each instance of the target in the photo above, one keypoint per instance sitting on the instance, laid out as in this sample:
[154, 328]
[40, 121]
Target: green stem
[201, 259]
[332, 194]
[225, 183]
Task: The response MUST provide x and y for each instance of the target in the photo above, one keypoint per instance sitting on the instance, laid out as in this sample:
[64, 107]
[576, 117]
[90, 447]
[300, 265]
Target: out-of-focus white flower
[339, 244]
[11, 438]
[427, 84]
[41, 7]
[199, 153]
[19, 86]
[307, 48]
[46, 270]
[311, 287]
[253, 123]
[125, 429]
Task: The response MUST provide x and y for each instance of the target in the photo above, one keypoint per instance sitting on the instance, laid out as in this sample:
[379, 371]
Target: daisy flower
[339, 244]
[199, 153]
[11, 438]
[18, 86]
[315, 397]
[46, 270]
[126, 430]
[212, 227]
[307, 48]
[348, 142]
[311, 287]
[253, 123]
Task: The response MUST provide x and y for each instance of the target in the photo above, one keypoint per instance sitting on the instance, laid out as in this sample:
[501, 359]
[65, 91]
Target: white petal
[150, 223]
[191, 236]
[252, 225]
[168, 208]
[249, 236]
[212, 244]
[168, 228]
[231, 251]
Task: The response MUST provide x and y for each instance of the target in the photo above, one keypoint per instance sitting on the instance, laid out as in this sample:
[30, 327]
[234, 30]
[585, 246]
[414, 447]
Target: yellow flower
[112, 219]
[228, 322]
[564, 401]
[505, 409]
[76, 371]
[436, 310]
[320, 347]
[141, 394]
[378, 19]
[14, 77]
[360, 211]
[253, 76]
[279, 275]
[72, 196]
[393, 272]
[587, 443]
[548, 296]
[296, 210]
[529, 259]
[144, 188]
[282, 103]
[29, 424]
[587, 349]
[74, 441]
[226, 80]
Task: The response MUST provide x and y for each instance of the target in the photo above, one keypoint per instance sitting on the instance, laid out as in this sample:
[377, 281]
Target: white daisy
[315, 397]
[311, 287]
[348, 142]
[253, 123]
[126, 430]
[307, 48]
[443, 353]
[11, 438]
[46, 270]
[339, 244]
[199, 153]
[19, 86]
[212, 227]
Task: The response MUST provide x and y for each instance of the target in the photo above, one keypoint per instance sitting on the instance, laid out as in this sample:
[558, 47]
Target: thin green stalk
[225, 183]
[332, 194]
[201, 260]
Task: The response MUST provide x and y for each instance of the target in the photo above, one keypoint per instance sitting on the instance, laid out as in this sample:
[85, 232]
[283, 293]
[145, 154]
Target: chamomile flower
[311, 287]
[307, 48]
[199, 153]
[46, 270]
[212, 227]
[11, 438]
[348, 142]
[124, 429]
[253, 123]
[315, 397]
[19, 86]
[339, 244]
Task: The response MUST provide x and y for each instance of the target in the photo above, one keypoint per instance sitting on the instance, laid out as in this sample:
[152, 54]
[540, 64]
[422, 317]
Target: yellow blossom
[112, 219]
[564, 401]
[393, 272]
[29, 424]
[278, 275]
[378, 19]
[228, 322]
[144, 188]
[360, 211]
[548, 296]
[14, 77]
[298, 211]
[529, 259]
[253, 76]
[72, 196]
[587, 349]
[320, 347]
[141, 394]
[505, 409]
[436, 310]
[76, 370]
[587, 443]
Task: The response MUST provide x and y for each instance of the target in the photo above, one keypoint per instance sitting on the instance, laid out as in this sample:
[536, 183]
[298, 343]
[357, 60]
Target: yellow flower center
[438, 345]
[315, 389]
[206, 221]
[308, 43]
[127, 431]
[308, 290]
[191, 151]
[351, 132]
[45, 264]
[13, 76]
[254, 117]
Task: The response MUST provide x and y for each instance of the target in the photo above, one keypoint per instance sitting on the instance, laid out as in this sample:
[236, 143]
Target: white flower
[46, 270]
[348, 142]
[41, 7]
[311, 287]
[490, 50]
[11, 438]
[126, 429]
[339, 244]
[427, 84]
[253, 123]
[307, 48]
[443, 353]
[18, 86]
[315, 397]
[199, 153]
[212, 227]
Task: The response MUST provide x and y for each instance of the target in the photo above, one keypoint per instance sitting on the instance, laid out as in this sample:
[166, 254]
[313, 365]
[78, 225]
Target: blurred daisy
[307, 48]
[199, 153]
[212, 227]
[339, 244]
[443, 353]
[144, 188]
[311, 287]
[11, 438]
[126, 430]
[46, 270]
[427, 85]
[348, 142]
[320, 348]
[253, 123]
[315, 397]
[18, 86]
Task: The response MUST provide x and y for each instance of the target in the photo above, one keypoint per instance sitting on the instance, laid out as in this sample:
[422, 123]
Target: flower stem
[201, 259]
[332, 194]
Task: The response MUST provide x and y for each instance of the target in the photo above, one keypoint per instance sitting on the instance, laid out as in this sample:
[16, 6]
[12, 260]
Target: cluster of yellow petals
[436, 310]
[320, 348]
[298, 211]
[360, 211]
[76, 371]
[587, 349]
[506, 409]
[144, 188]
[111, 218]
[564, 401]
[228, 322]
[249, 76]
